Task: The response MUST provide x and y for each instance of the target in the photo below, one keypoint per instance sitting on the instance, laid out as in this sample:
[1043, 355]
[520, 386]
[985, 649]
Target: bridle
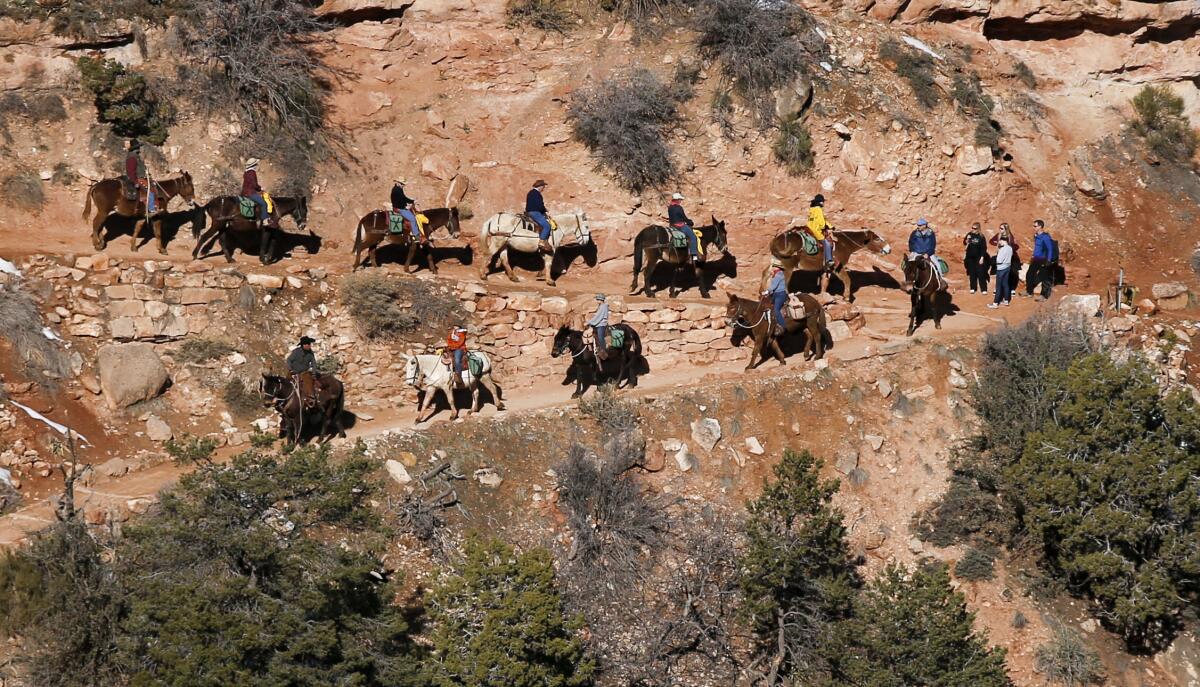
[736, 320]
[418, 374]
[583, 347]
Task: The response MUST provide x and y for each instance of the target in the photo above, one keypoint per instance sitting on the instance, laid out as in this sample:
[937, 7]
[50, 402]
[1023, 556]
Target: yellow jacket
[816, 222]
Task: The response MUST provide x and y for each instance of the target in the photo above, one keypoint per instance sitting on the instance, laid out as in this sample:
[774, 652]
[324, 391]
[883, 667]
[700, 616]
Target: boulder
[130, 373]
[442, 167]
[113, 467]
[397, 471]
[754, 446]
[1168, 289]
[706, 432]
[157, 429]
[847, 462]
[1080, 304]
[792, 100]
[1086, 179]
[839, 330]
[267, 281]
[524, 301]
[889, 175]
[974, 159]
[489, 478]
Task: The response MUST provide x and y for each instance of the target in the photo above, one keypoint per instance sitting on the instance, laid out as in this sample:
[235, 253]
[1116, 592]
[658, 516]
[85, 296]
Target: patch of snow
[922, 46]
[826, 66]
[49, 334]
[8, 267]
[61, 429]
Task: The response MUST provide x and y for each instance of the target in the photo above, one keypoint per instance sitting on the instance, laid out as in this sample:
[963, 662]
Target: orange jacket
[456, 341]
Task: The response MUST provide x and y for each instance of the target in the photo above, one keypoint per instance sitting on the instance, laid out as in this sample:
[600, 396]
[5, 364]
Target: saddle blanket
[474, 364]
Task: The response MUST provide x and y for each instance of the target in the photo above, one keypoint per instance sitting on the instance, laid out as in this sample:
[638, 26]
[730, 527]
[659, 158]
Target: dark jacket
[534, 202]
[400, 199]
[923, 242]
[250, 185]
[134, 167]
[300, 360]
[676, 215]
[1043, 247]
[976, 246]
[1012, 241]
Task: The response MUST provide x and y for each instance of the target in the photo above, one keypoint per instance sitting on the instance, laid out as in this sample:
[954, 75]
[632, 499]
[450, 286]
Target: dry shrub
[241, 399]
[977, 564]
[23, 189]
[759, 44]
[1067, 661]
[1025, 75]
[915, 67]
[793, 148]
[1162, 124]
[201, 350]
[23, 328]
[544, 15]
[385, 306]
[614, 414]
[64, 175]
[624, 121]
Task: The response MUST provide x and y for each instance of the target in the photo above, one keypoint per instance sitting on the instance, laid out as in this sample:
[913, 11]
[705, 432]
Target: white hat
[400, 180]
[252, 163]
[676, 196]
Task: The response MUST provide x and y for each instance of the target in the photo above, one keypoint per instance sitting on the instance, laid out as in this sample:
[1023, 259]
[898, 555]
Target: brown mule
[108, 196]
[755, 318]
[225, 216]
[652, 246]
[787, 249]
[923, 284]
[281, 393]
[375, 229]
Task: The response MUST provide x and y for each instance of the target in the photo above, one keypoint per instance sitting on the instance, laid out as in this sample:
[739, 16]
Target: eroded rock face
[1087, 180]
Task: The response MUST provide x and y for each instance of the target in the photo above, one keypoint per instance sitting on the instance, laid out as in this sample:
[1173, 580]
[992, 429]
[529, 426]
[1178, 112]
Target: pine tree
[912, 628]
[797, 574]
[498, 622]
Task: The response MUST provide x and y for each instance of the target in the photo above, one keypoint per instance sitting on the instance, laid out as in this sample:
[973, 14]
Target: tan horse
[787, 251]
[508, 230]
[375, 229]
[109, 196]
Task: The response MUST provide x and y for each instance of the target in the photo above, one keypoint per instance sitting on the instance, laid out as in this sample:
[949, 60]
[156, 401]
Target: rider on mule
[456, 343]
[679, 221]
[923, 241]
[251, 190]
[535, 207]
[302, 365]
[819, 228]
[777, 292]
[135, 169]
[406, 207]
[599, 325]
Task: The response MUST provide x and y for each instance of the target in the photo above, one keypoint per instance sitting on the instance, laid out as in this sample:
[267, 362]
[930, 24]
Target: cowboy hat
[677, 196]
[252, 163]
[601, 297]
[817, 199]
[305, 340]
[400, 180]
[540, 182]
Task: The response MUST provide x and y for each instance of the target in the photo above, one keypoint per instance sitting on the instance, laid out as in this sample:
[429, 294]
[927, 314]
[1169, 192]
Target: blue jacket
[923, 242]
[1043, 247]
[777, 284]
[534, 202]
[676, 215]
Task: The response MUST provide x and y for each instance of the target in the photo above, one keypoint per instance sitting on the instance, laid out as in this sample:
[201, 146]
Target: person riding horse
[819, 228]
[535, 208]
[135, 173]
[252, 190]
[599, 325]
[456, 343]
[777, 292]
[679, 221]
[923, 241]
[407, 208]
[302, 366]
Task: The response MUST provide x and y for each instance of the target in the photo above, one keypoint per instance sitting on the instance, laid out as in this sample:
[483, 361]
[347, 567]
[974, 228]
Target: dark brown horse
[375, 229]
[653, 245]
[225, 214]
[756, 318]
[326, 414]
[923, 284]
[787, 251]
[618, 364]
[109, 196]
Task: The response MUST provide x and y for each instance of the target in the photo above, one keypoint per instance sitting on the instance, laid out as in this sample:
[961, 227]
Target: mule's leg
[817, 335]
[265, 246]
[777, 351]
[648, 271]
[937, 311]
[844, 275]
[913, 312]
[206, 239]
[756, 352]
[700, 280]
[97, 225]
[137, 230]
[226, 245]
[633, 286]
[508, 270]
[156, 225]
[408, 257]
[429, 258]
[490, 385]
[547, 267]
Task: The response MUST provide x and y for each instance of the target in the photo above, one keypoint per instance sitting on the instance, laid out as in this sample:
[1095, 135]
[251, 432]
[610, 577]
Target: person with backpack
[1042, 264]
[976, 260]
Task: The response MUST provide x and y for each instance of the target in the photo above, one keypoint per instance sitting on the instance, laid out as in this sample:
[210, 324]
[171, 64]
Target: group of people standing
[1006, 263]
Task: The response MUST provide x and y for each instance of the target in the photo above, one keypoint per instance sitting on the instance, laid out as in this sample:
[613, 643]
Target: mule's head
[412, 370]
[452, 224]
[187, 189]
[734, 311]
[584, 231]
[720, 237]
[562, 339]
[877, 243]
[913, 264]
[300, 214]
[270, 388]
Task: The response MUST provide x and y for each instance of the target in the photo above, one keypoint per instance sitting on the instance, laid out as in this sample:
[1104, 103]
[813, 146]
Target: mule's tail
[485, 234]
[637, 260]
[358, 232]
[87, 203]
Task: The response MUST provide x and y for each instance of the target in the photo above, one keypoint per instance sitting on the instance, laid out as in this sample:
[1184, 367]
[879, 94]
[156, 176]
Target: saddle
[613, 337]
[795, 308]
[808, 243]
[529, 225]
[249, 209]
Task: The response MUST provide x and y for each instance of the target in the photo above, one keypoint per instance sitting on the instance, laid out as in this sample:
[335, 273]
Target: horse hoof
[705, 295]
[499, 406]
[515, 279]
[551, 283]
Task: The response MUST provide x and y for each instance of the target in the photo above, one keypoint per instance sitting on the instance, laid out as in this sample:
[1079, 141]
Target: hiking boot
[601, 353]
[778, 330]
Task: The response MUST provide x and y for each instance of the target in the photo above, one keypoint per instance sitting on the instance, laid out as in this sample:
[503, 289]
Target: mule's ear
[714, 218]
[732, 297]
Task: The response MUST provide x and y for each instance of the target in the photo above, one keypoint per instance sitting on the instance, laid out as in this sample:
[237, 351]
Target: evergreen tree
[1109, 486]
[796, 572]
[498, 622]
[912, 628]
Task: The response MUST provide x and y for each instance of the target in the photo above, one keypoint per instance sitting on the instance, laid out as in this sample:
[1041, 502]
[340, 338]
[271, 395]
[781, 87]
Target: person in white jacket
[1004, 258]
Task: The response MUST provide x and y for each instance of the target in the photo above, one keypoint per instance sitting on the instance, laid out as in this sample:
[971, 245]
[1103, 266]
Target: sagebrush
[385, 306]
[1160, 121]
[915, 67]
[545, 15]
[624, 121]
[793, 148]
[1067, 661]
[759, 44]
[23, 189]
[125, 101]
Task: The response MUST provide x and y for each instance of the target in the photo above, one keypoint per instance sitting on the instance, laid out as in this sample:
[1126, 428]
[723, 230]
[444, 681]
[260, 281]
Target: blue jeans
[1003, 286]
[542, 222]
[416, 228]
[601, 330]
[150, 200]
[828, 249]
[261, 203]
[693, 242]
[459, 355]
[778, 298]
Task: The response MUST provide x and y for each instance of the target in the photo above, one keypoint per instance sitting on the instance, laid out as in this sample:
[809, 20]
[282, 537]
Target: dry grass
[385, 306]
[23, 328]
[23, 189]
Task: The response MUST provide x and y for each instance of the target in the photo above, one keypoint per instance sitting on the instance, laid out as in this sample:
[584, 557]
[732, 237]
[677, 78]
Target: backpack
[475, 365]
[1053, 250]
[395, 223]
[617, 336]
[248, 207]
